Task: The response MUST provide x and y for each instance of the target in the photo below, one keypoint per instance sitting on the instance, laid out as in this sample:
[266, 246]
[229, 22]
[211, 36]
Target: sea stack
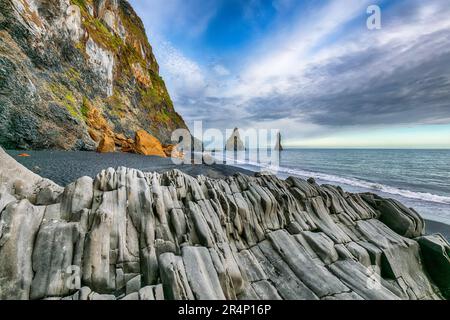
[278, 146]
[234, 143]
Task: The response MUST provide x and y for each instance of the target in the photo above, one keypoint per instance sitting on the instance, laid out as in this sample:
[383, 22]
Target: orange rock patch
[94, 135]
[96, 121]
[106, 145]
[108, 141]
[148, 145]
[141, 76]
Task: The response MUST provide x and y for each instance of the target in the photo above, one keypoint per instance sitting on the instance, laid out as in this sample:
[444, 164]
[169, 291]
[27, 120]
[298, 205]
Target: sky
[310, 68]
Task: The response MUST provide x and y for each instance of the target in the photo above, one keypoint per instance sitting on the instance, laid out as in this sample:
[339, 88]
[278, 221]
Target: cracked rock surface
[132, 235]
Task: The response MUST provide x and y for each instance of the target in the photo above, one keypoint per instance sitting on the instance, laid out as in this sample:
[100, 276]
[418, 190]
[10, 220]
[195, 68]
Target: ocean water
[418, 178]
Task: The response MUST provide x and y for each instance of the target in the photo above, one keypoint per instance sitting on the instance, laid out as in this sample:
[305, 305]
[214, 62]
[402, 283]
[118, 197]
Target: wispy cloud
[184, 74]
[326, 72]
[397, 75]
[221, 71]
[190, 18]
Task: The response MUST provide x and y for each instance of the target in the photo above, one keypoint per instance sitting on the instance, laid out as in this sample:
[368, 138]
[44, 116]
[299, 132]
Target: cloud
[195, 89]
[326, 72]
[285, 56]
[189, 18]
[400, 75]
[185, 75]
[221, 71]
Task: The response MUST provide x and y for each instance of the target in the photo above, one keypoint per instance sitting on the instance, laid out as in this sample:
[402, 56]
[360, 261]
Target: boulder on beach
[408, 224]
[106, 144]
[21, 183]
[173, 151]
[148, 145]
[436, 255]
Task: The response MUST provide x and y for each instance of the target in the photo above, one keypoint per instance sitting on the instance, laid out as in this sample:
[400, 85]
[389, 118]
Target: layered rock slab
[128, 234]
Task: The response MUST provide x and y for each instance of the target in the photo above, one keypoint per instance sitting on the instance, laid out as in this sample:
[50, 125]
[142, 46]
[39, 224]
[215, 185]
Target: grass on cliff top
[155, 98]
[136, 31]
[127, 52]
[96, 29]
[100, 33]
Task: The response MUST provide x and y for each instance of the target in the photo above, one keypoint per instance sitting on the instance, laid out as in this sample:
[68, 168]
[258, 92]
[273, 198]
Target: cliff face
[132, 235]
[74, 70]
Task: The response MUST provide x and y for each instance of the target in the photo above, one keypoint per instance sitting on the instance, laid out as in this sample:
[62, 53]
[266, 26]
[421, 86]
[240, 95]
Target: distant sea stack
[76, 73]
[234, 142]
[278, 146]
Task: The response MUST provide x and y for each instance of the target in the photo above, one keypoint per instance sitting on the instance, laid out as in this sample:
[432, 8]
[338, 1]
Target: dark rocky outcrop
[72, 71]
[436, 255]
[132, 235]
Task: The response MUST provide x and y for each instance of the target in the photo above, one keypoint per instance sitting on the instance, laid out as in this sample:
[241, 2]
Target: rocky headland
[81, 75]
[128, 234]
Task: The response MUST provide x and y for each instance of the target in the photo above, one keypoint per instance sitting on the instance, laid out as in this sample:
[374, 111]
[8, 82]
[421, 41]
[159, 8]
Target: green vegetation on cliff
[101, 57]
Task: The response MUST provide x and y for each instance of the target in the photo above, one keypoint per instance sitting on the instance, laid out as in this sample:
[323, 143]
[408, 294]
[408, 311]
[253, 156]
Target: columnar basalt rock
[140, 235]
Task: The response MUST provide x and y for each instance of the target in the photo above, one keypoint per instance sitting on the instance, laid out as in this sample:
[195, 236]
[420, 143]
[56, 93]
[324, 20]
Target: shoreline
[430, 210]
[67, 166]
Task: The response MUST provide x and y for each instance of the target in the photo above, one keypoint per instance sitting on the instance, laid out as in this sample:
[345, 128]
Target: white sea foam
[354, 182]
[368, 185]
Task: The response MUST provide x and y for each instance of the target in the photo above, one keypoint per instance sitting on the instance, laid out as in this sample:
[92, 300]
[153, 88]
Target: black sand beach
[63, 167]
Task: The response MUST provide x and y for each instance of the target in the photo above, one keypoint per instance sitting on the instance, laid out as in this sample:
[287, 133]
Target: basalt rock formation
[74, 71]
[129, 234]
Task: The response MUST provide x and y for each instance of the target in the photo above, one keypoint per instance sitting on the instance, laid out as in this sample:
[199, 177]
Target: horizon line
[344, 148]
